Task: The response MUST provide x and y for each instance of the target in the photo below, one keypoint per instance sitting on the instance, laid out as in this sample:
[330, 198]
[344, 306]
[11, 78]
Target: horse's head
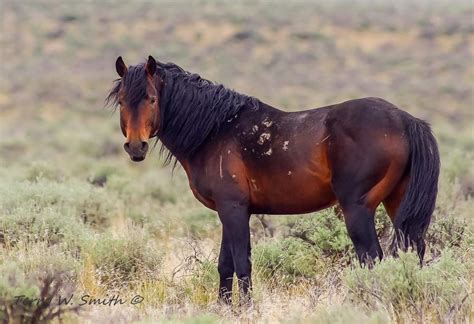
[138, 95]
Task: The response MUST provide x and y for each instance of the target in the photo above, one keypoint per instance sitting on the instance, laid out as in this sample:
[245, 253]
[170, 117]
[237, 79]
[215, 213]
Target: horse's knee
[225, 269]
[244, 270]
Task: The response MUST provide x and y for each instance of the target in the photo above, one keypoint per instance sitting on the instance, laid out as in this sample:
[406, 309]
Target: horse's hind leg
[394, 199]
[353, 185]
[359, 205]
[361, 228]
[361, 179]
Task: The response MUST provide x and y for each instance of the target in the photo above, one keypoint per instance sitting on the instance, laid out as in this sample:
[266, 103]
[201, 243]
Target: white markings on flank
[285, 145]
[324, 139]
[267, 123]
[254, 184]
[263, 137]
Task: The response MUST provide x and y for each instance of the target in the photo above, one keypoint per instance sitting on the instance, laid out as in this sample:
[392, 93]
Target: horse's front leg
[235, 217]
[226, 269]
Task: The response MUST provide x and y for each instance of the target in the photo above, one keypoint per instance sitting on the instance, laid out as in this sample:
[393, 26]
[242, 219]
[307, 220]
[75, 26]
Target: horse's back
[369, 113]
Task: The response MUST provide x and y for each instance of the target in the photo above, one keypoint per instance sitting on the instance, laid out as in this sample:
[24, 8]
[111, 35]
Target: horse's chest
[199, 186]
[203, 196]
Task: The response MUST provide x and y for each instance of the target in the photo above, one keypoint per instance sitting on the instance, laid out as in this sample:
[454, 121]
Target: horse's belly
[290, 195]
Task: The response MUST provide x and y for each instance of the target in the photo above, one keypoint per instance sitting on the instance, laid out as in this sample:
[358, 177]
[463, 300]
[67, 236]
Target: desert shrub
[179, 220]
[196, 278]
[40, 170]
[446, 232]
[137, 187]
[435, 292]
[158, 193]
[202, 285]
[286, 260]
[199, 222]
[101, 174]
[92, 147]
[324, 231]
[311, 242]
[155, 292]
[92, 205]
[117, 182]
[455, 164]
[451, 225]
[120, 260]
[41, 258]
[32, 297]
[383, 226]
[27, 225]
[14, 283]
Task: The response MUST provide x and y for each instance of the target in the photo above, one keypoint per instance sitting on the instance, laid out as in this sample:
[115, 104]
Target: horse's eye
[120, 102]
[153, 99]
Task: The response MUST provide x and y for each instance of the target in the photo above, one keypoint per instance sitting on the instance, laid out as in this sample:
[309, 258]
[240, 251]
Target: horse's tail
[414, 213]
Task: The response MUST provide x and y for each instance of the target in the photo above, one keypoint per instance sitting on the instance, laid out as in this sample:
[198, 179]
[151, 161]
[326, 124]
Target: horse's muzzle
[137, 150]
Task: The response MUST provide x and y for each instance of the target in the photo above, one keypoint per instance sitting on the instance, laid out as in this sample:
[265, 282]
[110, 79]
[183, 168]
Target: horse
[243, 156]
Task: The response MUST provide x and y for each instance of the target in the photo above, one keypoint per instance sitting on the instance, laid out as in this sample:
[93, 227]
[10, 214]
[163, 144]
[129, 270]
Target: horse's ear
[151, 65]
[120, 66]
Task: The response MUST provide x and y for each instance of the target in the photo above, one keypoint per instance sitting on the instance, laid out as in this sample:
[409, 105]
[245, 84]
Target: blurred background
[61, 156]
[58, 61]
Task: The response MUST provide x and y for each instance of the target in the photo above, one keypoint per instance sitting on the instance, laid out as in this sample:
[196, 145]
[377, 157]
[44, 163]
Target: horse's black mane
[192, 109]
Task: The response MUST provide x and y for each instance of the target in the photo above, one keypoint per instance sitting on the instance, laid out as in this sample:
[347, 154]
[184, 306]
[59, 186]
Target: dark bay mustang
[243, 156]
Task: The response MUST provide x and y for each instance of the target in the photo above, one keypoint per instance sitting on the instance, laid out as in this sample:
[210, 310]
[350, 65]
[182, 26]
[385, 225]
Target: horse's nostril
[136, 148]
